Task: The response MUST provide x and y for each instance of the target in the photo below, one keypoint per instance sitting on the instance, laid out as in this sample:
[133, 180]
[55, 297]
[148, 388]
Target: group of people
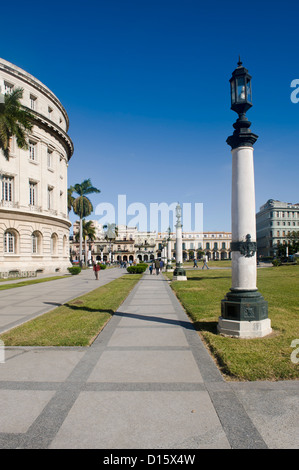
[205, 263]
[157, 265]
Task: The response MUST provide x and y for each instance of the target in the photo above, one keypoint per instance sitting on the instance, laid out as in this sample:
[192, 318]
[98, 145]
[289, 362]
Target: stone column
[169, 267]
[244, 312]
[179, 273]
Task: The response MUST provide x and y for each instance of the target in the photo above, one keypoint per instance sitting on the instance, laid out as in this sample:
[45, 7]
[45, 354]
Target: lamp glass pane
[232, 92]
[248, 86]
[241, 89]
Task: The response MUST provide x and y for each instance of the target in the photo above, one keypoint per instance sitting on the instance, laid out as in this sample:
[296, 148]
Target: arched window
[36, 243]
[10, 244]
[54, 244]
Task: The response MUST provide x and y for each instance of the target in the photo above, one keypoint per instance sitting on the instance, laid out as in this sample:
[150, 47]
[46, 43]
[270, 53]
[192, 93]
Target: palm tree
[70, 198]
[88, 234]
[82, 205]
[15, 120]
[88, 231]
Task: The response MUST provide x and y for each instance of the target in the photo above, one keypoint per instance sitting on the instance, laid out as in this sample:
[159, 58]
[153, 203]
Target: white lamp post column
[169, 267]
[244, 312]
[179, 273]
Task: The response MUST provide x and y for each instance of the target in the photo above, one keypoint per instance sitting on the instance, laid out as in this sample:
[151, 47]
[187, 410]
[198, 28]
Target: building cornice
[35, 83]
[49, 126]
[30, 216]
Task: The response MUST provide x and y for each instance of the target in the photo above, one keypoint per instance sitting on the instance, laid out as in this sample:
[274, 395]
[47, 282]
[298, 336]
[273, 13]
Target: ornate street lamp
[244, 312]
[169, 267]
[179, 273]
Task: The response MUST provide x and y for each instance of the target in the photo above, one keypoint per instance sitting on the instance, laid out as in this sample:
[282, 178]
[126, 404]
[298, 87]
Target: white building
[34, 223]
[132, 245]
[274, 223]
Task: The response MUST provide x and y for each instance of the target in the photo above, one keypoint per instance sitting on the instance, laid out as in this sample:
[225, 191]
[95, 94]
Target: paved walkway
[147, 382]
[21, 304]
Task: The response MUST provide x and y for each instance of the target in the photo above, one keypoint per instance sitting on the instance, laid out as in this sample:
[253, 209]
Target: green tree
[82, 206]
[293, 240]
[88, 234]
[70, 198]
[15, 120]
[88, 231]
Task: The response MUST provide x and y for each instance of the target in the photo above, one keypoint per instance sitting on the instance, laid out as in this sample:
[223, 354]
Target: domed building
[34, 223]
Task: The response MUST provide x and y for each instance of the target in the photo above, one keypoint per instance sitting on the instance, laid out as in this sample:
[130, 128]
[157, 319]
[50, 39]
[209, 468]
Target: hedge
[136, 269]
[74, 270]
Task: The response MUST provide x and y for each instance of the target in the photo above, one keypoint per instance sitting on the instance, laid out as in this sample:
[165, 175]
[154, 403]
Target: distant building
[216, 245]
[34, 223]
[274, 223]
[132, 245]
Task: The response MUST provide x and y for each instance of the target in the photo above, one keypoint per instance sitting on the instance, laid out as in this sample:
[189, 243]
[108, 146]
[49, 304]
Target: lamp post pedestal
[244, 312]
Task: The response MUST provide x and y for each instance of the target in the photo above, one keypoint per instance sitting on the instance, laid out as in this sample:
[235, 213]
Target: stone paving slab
[142, 420]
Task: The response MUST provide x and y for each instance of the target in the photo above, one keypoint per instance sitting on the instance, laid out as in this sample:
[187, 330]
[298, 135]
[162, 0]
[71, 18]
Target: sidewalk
[21, 304]
[147, 382]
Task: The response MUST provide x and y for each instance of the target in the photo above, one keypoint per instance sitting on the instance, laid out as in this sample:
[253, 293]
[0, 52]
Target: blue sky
[146, 88]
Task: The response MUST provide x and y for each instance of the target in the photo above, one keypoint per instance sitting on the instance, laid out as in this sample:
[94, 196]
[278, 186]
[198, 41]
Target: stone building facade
[132, 245]
[274, 223]
[34, 223]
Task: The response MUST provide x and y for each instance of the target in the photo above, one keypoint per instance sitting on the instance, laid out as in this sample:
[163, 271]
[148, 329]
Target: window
[32, 151]
[34, 240]
[50, 197]
[9, 242]
[7, 188]
[215, 246]
[32, 193]
[33, 102]
[8, 87]
[54, 244]
[49, 158]
[223, 245]
[207, 245]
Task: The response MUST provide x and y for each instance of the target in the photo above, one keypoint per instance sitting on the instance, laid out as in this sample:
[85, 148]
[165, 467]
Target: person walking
[157, 266]
[161, 265]
[96, 269]
[151, 269]
[195, 263]
[205, 262]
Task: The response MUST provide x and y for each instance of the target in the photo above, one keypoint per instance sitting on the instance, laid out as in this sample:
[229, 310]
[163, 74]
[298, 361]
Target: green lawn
[76, 323]
[219, 264]
[265, 358]
[31, 281]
